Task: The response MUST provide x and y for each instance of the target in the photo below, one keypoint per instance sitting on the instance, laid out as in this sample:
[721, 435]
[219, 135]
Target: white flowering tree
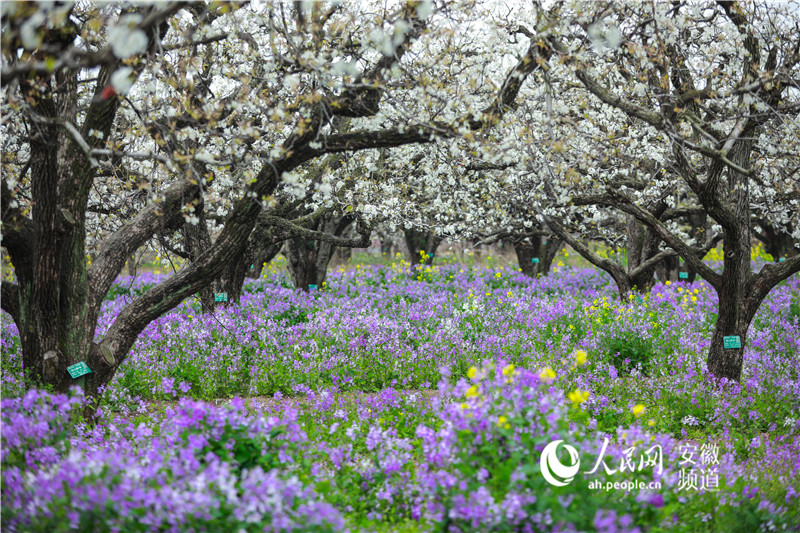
[199, 109]
[699, 103]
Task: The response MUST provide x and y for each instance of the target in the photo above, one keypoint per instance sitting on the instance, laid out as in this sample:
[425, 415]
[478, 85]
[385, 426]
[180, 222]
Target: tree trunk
[421, 241]
[477, 249]
[309, 258]
[132, 265]
[264, 254]
[736, 306]
[777, 244]
[308, 262]
[551, 247]
[732, 320]
[535, 254]
[527, 250]
[197, 239]
[668, 269]
[387, 246]
[343, 255]
[642, 243]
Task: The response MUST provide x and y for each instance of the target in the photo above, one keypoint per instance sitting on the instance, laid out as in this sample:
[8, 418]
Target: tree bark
[526, 251]
[536, 247]
[309, 258]
[264, 254]
[421, 241]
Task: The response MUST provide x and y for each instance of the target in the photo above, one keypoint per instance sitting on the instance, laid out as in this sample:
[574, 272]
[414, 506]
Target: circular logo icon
[553, 471]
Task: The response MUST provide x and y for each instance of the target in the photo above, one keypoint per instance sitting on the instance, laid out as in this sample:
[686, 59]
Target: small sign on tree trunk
[683, 275]
[221, 297]
[535, 260]
[313, 287]
[78, 369]
[732, 341]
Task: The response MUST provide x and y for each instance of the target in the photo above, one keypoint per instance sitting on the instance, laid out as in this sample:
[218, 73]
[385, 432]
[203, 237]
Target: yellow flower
[651, 422]
[577, 397]
[472, 372]
[668, 282]
[509, 294]
[547, 374]
[580, 357]
[507, 371]
[472, 392]
[638, 410]
[502, 421]
[464, 405]
[498, 275]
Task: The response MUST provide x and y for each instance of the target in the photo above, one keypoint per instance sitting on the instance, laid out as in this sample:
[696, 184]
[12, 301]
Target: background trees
[198, 109]
[717, 84]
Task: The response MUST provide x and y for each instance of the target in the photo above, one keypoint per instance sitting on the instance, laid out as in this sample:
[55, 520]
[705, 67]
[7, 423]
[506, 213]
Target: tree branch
[624, 203]
[118, 247]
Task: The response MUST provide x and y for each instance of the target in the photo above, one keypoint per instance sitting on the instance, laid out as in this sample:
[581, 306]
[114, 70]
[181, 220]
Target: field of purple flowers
[398, 401]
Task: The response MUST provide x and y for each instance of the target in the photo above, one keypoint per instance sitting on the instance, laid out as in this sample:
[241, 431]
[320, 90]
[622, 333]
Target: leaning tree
[89, 91]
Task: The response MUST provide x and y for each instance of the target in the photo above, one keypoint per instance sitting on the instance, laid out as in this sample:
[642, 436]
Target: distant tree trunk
[642, 244]
[418, 241]
[668, 269]
[387, 246]
[265, 252]
[344, 254]
[132, 265]
[550, 249]
[536, 247]
[196, 239]
[527, 250]
[777, 244]
[309, 258]
[477, 249]
[643, 256]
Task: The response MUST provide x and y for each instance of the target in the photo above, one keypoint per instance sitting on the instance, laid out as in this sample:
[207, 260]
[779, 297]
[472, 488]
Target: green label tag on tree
[313, 287]
[732, 341]
[535, 260]
[683, 275]
[78, 369]
[781, 260]
[640, 299]
[252, 267]
[220, 296]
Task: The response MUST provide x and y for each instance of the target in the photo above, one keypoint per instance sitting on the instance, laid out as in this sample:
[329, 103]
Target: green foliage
[293, 316]
[627, 351]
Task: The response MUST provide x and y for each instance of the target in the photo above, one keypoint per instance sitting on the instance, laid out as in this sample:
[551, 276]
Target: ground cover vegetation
[401, 400]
